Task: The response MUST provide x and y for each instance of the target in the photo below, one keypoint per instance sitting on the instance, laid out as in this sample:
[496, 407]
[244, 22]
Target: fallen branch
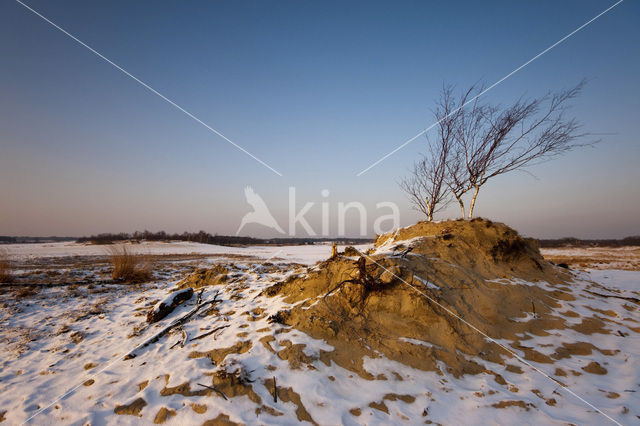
[172, 325]
[209, 333]
[215, 390]
[630, 299]
[172, 301]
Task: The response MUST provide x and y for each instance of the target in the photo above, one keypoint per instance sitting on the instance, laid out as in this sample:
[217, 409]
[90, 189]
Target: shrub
[129, 267]
[5, 268]
[509, 249]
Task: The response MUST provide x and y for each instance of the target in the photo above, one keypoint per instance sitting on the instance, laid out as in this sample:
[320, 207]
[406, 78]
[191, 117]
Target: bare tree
[476, 141]
[454, 120]
[425, 185]
[495, 140]
[440, 173]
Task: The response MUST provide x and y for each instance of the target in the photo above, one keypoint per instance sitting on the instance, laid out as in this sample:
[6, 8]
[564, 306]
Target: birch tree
[425, 185]
[496, 140]
[476, 141]
[428, 185]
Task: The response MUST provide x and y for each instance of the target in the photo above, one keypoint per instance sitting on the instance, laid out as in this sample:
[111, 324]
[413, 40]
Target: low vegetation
[5, 268]
[576, 242]
[203, 237]
[129, 267]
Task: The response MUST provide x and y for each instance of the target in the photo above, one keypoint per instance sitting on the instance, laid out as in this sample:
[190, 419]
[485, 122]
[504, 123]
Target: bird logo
[260, 214]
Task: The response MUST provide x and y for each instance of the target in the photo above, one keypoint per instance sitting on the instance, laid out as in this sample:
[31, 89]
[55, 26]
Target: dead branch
[215, 390]
[209, 333]
[362, 278]
[183, 319]
[630, 299]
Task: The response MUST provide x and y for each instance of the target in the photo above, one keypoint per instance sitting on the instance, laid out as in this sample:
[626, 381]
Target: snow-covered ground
[615, 279]
[307, 254]
[63, 350]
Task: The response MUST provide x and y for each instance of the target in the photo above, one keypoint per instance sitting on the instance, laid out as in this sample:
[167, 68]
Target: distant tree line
[23, 240]
[206, 238]
[576, 242]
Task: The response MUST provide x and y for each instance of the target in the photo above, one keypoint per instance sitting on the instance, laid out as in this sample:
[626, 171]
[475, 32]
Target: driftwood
[167, 306]
[209, 333]
[215, 390]
[173, 324]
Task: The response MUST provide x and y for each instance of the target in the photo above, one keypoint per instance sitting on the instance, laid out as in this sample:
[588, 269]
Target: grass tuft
[129, 267]
[5, 268]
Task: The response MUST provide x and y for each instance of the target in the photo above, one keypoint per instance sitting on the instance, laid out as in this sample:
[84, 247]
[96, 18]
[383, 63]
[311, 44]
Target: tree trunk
[459, 198]
[473, 201]
[429, 211]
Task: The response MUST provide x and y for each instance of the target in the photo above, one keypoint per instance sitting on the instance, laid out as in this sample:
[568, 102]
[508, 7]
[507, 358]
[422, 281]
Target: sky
[318, 91]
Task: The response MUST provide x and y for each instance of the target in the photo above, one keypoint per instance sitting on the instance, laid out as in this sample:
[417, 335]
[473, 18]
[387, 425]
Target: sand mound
[405, 298]
[218, 274]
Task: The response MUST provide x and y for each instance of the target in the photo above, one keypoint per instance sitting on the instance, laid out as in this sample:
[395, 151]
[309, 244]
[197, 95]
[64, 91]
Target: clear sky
[318, 90]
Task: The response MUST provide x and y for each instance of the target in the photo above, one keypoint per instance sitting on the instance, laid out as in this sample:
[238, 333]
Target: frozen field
[626, 258]
[63, 349]
[302, 254]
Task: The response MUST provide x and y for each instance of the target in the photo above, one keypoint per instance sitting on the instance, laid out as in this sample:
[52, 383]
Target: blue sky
[319, 90]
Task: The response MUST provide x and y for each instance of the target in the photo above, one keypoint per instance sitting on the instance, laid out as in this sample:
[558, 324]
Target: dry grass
[129, 267]
[5, 268]
[626, 258]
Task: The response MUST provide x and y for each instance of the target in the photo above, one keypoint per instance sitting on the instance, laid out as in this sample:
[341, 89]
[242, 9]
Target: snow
[428, 284]
[586, 251]
[623, 281]
[305, 254]
[392, 247]
[51, 341]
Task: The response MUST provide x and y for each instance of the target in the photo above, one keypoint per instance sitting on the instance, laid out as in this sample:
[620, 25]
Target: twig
[208, 333]
[180, 342]
[354, 281]
[406, 252]
[275, 390]
[215, 390]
